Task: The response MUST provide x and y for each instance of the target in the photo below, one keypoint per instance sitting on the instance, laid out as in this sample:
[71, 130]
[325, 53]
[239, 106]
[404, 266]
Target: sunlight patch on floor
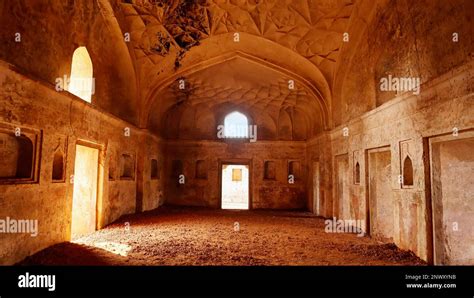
[112, 247]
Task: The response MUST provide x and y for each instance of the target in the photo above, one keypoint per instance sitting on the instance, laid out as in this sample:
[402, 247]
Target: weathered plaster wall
[452, 188]
[267, 194]
[380, 199]
[402, 39]
[444, 103]
[319, 150]
[399, 38]
[61, 118]
[50, 31]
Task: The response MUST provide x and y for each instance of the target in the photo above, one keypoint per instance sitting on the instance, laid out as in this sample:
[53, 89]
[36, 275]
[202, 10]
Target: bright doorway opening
[84, 202]
[235, 187]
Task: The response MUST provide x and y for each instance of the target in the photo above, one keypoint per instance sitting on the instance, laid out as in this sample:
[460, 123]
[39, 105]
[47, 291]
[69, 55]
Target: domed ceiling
[171, 38]
[281, 109]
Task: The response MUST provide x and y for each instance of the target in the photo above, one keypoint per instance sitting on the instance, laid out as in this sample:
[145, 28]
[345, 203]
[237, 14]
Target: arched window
[236, 125]
[81, 81]
[407, 172]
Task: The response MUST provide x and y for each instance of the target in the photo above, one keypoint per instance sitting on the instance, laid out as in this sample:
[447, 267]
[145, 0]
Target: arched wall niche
[19, 154]
[407, 172]
[58, 168]
[357, 173]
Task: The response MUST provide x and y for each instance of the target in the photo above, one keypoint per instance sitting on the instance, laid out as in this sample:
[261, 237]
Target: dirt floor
[187, 236]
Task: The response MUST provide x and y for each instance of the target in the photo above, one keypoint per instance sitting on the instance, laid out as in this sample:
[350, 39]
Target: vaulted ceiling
[140, 49]
[279, 110]
[278, 41]
[312, 28]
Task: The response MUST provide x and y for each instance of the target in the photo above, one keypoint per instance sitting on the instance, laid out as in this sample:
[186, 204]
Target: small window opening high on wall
[81, 81]
[236, 125]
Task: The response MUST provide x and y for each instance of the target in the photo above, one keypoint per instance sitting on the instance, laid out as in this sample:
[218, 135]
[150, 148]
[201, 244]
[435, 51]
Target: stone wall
[57, 121]
[277, 193]
[399, 38]
[406, 40]
[337, 175]
[40, 37]
[404, 124]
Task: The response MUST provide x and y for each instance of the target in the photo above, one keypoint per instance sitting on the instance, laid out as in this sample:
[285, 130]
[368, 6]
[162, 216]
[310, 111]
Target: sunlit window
[236, 125]
[81, 81]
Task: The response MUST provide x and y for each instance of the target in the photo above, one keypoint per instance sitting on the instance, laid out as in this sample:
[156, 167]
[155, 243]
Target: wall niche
[18, 154]
[127, 167]
[154, 169]
[356, 156]
[58, 167]
[407, 171]
[176, 168]
[406, 164]
[201, 169]
[269, 172]
[112, 167]
[294, 169]
[59, 160]
[357, 173]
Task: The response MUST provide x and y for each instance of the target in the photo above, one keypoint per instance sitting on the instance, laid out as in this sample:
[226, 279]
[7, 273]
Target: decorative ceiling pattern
[169, 37]
[279, 111]
[312, 28]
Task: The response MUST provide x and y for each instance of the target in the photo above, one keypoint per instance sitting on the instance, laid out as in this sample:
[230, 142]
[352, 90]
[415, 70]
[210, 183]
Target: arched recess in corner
[81, 79]
[407, 172]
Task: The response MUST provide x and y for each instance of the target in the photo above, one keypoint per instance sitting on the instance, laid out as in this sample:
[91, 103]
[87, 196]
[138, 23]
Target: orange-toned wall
[30, 104]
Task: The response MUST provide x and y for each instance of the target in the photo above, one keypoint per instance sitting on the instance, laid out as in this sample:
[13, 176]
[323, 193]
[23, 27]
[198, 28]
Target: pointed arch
[407, 171]
[81, 79]
[357, 173]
